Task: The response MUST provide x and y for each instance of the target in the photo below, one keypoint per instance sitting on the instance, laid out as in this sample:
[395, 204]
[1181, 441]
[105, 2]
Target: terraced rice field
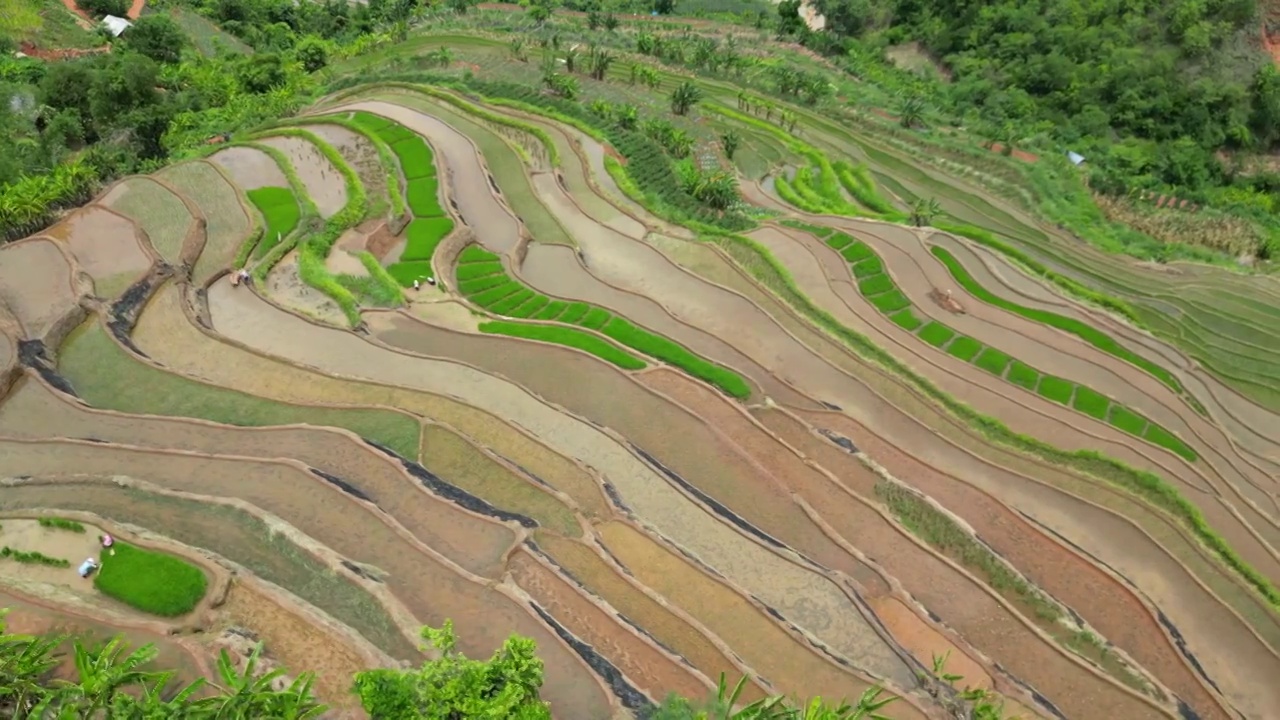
[819, 453]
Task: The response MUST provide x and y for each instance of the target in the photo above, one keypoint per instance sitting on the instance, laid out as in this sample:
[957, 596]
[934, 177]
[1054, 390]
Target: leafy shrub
[875, 285]
[423, 196]
[152, 582]
[993, 361]
[1091, 402]
[1127, 420]
[477, 270]
[1023, 375]
[552, 311]
[906, 320]
[964, 347]
[530, 308]
[568, 337]
[936, 334]
[281, 212]
[100, 8]
[475, 285]
[57, 523]
[890, 302]
[1056, 389]
[423, 235]
[867, 267]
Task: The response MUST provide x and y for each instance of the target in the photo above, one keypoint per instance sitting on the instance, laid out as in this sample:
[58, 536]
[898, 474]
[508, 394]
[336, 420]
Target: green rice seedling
[478, 270]
[906, 320]
[936, 334]
[475, 285]
[875, 285]
[857, 252]
[839, 241]
[57, 523]
[964, 347]
[423, 196]
[475, 254]
[530, 308]
[867, 267]
[281, 212]
[569, 337]
[153, 582]
[508, 303]
[1023, 375]
[496, 293]
[1056, 389]
[1127, 420]
[32, 558]
[574, 312]
[890, 302]
[1091, 402]
[552, 311]
[993, 361]
[416, 160]
[370, 122]
[1157, 435]
[1084, 331]
[595, 318]
[395, 134]
[656, 346]
[423, 236]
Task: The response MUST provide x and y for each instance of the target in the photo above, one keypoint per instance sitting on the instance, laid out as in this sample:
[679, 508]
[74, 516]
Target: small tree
[313, 53]
[599, 61]
[684, 97]
[729, 142]
[924, 210]
[610, 22]
[911, 111]
[156, 36]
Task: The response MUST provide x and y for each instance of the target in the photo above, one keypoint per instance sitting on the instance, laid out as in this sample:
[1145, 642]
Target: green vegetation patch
[1167, 440]
[475, 285]
[530, 307]
[423, 235]
[423, 196]
[32, 557]
[906, 320]
[867, 267]
[875, 285]
[993, 361]
[1127, 420]
[936, 334]
[569, 337]
[281, 211]
[406, 272]
[857, 252]
[839, 241]
[1056, 389]
[416, 158]
[1023, 375]
[1091, 402]
[153, 582]
[477, 270]
[512, 301]
[670, 352]
[964, 347]
[574, 312]
[57, 523]
[1088, 333]
[476, 254]
[595, 318]
[552, 311]
[496, 293]
[890, 302]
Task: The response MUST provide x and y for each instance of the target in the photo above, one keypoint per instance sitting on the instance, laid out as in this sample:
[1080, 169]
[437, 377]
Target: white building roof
[116, 25]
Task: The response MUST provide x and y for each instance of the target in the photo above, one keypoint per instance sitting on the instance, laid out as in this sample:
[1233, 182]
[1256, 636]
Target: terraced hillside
[483, 368]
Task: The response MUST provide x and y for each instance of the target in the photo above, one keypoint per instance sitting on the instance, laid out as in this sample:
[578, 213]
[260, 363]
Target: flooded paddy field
[870, 503]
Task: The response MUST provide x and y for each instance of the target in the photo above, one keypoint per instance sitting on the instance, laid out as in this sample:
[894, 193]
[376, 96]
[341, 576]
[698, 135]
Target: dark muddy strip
[524, 470]
[830, 406]
[343, 485]
[838, 439]
[33, 354]
[1040, 700]
[359, 571]
[451, 492]
[122, 316]
[631, 698]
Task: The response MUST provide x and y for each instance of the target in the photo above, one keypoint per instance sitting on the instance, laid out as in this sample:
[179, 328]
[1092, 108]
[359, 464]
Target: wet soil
[106, 246]
[35, 284]
[322, 180]
[249, 168]
[228, 223]
[156, 210]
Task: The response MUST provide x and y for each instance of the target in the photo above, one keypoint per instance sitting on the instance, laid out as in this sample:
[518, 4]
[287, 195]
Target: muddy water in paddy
[164, 333]
[805, 597]
[105, 245]
[476, 543]
[35, 284]
[433, 591]
[234, 535]
[657, 619]
[453, 457]
[652, 671]
[776, 655]
[323, 182]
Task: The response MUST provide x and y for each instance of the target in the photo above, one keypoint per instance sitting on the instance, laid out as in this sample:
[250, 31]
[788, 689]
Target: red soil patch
[380, 241]
[1016, 154]
[32, 50]
[135, 10]
[608, 150]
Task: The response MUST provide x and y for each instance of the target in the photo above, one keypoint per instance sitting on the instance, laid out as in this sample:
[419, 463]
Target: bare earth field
[834, 529]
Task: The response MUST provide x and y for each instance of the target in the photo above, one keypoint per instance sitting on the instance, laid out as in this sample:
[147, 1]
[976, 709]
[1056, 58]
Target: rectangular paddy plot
[227, 223]
[501, 295]
[157, 211]
[878, 288]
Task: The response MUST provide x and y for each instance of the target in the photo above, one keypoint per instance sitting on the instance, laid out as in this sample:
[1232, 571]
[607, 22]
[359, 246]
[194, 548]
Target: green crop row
[152, 582]
[1088, 333]
[757, 261]
[500, 294]
[281, 212]
[33, 557]
[306, 216]
[857, 180]
[57, 523]
[878, 287]
[423, 235]
[569, 337]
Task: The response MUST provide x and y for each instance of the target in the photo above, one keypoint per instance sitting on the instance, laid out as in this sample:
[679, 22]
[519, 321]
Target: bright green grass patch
[936, 334]
[475, 285]
[875, 285]
[857, 252]
[57, 523]
[595, 318]
[1091, 402]
[496, 293]
[552, 311]
[1023, 375]
[156, 583]
[281, 211]
[396, 134]
[416, 159]
[890, 302]
[475, 254]
[423, 197]
[372, 123]
[531, 307]
[574, 312]
[656, 346]
[477, 270]
[839, 241]
[406, 272]
[868, 267]
[1127, 420]
[1056, 389]
[1167, 440]
[1088, 333]
[964, 347]
[510, 302]
[993, 361]
[423, 235]
[906, 320]
[569, 337]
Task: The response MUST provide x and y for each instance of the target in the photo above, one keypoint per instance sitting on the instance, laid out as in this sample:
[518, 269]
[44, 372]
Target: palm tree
[729, 142]
[626, 116]
[571, 59]
[685, 97]
[911, 111]
[599, 60]
[923, 211]
[441, 56]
